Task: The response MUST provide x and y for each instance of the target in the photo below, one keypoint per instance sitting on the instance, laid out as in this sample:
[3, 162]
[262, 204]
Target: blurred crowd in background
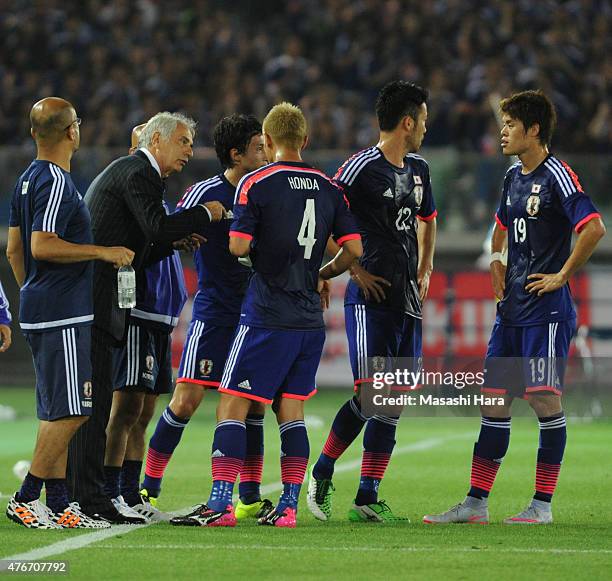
[121, 61]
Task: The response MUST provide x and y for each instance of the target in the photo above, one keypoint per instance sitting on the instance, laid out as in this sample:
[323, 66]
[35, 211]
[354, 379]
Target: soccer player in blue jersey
[389, 190]
[542, 202]
[284, 214]
[5, 322]
[51, 253]
[222, 282]
[143, 371]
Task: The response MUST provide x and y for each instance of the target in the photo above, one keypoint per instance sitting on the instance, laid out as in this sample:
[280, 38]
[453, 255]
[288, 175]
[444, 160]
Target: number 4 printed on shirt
[306, 236]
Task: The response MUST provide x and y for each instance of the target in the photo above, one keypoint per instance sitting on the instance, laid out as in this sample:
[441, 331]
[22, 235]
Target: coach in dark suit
[125, 202]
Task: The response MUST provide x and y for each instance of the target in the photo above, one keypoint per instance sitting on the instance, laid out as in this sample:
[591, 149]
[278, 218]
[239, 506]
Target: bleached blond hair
[286, 125]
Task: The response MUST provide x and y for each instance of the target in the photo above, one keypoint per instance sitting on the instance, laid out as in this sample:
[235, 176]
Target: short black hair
[234, 131]
[396, 100]
[531, 107]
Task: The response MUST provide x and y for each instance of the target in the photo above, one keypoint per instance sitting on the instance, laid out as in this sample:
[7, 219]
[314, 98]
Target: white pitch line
[359, 549]
[88, 538]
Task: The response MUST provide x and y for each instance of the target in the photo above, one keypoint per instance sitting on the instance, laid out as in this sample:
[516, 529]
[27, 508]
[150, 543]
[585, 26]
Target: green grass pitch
[428, 473]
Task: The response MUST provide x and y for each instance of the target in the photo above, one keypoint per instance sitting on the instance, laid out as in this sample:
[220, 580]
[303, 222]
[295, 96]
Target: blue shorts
[205, 353]
[264, 363]
[145, 362]
[62, 360]
[378, 333]
[523, 360]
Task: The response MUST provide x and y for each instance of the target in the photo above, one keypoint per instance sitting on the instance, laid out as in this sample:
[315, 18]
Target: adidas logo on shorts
[218, 454]
[245, 384]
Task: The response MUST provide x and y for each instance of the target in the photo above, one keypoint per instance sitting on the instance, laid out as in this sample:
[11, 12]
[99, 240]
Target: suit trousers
[85, 474]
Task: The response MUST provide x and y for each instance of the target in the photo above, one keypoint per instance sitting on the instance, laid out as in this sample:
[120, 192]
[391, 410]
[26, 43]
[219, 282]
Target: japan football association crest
[418, 190]
[87, 389]
[206, 367]
[533, 205]
[149, 362]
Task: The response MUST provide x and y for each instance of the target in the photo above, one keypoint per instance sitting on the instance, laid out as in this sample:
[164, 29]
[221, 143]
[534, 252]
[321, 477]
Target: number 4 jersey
[387, 200]
[539, 210]
[288, 210]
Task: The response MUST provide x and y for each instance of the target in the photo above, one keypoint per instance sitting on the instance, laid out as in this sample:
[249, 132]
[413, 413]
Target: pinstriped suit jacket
[125, 202]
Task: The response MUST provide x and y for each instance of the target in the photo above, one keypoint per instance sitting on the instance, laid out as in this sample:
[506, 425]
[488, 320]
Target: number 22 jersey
[386, 201]
[539, 210]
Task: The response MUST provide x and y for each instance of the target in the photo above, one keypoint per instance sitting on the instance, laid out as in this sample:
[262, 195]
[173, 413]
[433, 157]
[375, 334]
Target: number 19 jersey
[539, 210]
[288, 210]
[386, 201]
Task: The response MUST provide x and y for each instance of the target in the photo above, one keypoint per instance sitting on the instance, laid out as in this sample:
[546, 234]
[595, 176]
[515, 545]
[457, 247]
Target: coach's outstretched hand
[371, 285]
[190, 243]
[216, 209]
[118, 256]
[5, 338]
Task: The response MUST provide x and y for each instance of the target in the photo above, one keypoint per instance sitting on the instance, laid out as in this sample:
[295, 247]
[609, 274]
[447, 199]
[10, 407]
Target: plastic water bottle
[126, 287]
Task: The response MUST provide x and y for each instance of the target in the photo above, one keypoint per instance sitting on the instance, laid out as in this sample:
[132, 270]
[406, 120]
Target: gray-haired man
[126, 205]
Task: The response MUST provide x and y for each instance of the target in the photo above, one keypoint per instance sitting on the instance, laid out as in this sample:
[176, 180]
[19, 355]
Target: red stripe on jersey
[428, 218]
[586, 219]
[267, 172]
[237, 234]
[499, 222]
[573, 175]
[348, 237]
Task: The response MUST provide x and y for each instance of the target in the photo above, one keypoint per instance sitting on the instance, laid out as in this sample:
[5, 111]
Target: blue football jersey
[53, 295]
[539, 209]
[386, 201]
[222, 280]
[288, 210]
[161, 293]
[5, 314]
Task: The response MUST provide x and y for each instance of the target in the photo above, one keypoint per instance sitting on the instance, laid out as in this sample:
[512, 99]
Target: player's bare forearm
[499, 239]
[14, 254]
[332, 247]
[588, 238]
[350, 251]
[426, 234]
[499, 242]
[239, 246]
[49, 247]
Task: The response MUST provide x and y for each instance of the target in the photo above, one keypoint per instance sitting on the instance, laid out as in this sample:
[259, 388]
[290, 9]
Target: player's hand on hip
[5, 338]
[216, 209]
[544, 283]
[498, 279]
[118, 256]
[373, 286]
[324, 290]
